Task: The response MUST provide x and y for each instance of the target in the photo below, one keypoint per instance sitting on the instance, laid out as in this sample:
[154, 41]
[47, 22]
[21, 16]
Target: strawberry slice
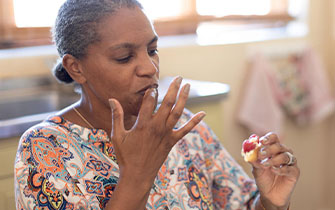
[250, 143]
[248, 146]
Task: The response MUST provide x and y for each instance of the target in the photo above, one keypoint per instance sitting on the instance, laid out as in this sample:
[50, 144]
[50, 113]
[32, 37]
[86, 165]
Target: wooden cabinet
[214, 114]
[7, 156]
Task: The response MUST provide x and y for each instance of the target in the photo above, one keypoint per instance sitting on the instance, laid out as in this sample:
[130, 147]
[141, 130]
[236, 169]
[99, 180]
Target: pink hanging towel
[259, 110]
[313, 74]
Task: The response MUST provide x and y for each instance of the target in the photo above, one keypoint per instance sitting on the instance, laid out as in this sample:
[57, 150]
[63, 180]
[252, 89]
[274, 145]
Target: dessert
[250, 148]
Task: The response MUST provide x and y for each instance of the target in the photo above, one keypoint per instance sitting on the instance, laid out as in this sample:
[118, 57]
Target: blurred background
[277, 56]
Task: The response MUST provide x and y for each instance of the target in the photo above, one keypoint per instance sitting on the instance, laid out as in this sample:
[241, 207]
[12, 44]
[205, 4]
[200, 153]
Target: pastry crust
[251, 155]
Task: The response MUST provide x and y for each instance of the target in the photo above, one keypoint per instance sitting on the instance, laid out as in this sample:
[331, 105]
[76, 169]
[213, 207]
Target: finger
[148, 105]
[277, 161]
[117, 118]
[271, 150]
[178, 109]
[169, 99]
[269, 138]
[256, 165]
[286, 171]
[188, 126]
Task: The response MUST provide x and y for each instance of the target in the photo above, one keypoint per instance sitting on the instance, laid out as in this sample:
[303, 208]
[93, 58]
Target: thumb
[117, 116]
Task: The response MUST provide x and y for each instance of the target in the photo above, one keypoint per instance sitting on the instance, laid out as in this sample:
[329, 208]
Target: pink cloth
[259, 110]
[269, 93]
[321, 101]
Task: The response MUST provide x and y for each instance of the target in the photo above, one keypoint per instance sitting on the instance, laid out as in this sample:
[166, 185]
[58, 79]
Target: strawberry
[248, 146]
[250, 143]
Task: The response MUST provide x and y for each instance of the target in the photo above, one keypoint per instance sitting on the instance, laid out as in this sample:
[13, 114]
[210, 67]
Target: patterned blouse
[61, 165]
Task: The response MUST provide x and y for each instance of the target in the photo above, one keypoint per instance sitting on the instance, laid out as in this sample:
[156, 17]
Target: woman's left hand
[276, 172]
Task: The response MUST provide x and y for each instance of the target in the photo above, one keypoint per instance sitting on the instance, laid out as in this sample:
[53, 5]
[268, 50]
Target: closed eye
[124, 59]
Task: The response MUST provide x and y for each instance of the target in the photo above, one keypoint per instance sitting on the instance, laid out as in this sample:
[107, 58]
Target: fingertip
[269, 138]
[154, 93]
[201, 115]
[151, 92]
[149, 103]
[112, 103]
[272, 135]
[178, 80]
[187, 88]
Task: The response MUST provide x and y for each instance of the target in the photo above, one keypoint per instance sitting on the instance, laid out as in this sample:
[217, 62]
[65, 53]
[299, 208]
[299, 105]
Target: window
[27, 22]
[29, 13]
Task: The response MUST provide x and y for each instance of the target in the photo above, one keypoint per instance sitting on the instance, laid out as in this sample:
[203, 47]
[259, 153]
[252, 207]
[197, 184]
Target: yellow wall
[228, 65]
[313, 145]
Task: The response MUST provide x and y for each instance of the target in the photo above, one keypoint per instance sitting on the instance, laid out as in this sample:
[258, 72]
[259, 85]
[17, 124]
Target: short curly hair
[76, 28]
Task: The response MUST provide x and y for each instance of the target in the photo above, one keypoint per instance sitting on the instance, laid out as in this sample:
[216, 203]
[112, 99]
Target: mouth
[143, 90]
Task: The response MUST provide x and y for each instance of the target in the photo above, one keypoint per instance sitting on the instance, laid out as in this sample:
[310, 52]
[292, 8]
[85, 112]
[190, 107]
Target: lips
[143, 90]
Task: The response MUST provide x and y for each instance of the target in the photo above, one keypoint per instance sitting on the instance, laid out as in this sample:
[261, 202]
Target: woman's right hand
[142, 150]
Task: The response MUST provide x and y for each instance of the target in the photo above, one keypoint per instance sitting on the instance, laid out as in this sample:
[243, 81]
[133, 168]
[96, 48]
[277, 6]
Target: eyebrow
[155, 39]
[130, 45]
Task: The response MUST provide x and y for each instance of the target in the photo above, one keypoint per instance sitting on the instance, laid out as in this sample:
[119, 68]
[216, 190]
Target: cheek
[116, 89]
[155, 61]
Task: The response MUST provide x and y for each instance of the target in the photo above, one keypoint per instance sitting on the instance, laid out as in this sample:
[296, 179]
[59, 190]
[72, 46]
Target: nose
[148, 66]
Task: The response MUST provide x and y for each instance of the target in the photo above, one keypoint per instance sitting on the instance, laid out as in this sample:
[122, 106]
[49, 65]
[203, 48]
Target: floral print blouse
[61, 165]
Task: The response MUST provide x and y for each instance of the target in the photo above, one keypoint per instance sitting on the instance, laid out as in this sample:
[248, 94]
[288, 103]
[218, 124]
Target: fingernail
[263, 152]
[265, 162]
[264, 139]
[202, 115]
[274, 168]
[179, 80]
[187, 88]
[153, 92]
[111, 103]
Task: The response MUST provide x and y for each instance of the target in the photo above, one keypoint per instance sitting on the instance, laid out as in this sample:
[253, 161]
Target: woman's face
[124, 63]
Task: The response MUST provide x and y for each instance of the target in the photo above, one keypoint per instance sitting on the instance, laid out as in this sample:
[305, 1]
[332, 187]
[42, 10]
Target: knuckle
[168, 102]
[115, 115]
[140, 126]
[166, 145]
[290, 151]
[272, 136]
[176, 114]
[280, 147]
[276, 147]
[183, 132]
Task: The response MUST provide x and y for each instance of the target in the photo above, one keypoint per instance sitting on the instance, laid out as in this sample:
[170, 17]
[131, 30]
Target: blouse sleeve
[231, 186]
[38, 164]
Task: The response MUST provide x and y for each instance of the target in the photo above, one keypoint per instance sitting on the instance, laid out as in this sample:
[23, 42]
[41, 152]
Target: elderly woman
[114, 149]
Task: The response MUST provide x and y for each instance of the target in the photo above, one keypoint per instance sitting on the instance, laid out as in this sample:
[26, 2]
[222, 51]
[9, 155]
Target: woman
[114, 149]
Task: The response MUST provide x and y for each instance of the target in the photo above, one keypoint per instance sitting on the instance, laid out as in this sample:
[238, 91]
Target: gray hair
[76, 28]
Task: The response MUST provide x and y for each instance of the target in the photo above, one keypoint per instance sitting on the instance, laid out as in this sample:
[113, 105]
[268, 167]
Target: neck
[99, 114]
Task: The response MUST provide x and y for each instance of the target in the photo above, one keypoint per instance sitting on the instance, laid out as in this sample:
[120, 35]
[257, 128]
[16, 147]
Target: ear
[73, 68]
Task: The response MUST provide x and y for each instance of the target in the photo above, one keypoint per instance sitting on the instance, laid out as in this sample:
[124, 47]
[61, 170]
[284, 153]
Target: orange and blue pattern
[61, 165]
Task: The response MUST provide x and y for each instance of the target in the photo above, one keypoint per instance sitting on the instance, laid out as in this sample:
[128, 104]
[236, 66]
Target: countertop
[200, 92]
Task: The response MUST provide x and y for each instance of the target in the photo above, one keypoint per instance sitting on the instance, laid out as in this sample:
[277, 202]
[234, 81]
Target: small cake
[250, 148]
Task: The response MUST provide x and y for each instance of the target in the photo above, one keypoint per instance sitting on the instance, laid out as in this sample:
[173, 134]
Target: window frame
[12, 36]
[187, 23]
